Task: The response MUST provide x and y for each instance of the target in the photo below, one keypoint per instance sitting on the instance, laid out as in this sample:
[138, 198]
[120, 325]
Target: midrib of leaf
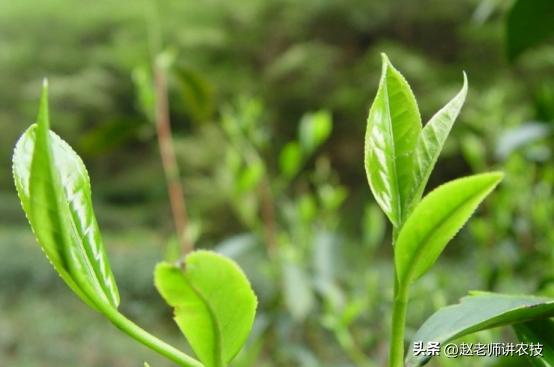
[392, 137]
[53, 187]
[92, 276]
[216, 329]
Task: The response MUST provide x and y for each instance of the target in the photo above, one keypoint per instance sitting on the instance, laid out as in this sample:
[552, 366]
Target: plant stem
[399, 307]
[171, 169]
[133, 330]
[141, 335]
[163, 128]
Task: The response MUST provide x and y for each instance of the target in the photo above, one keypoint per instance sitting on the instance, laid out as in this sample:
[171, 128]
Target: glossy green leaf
[538, 332]
[213, 302]
[393, 127]
[54, 189]
[479, 311]
[429, 145]
[529, 23]
[438, 217]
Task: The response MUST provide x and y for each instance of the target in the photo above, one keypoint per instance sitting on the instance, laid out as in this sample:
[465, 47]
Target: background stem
[171, 169]
[163, 128]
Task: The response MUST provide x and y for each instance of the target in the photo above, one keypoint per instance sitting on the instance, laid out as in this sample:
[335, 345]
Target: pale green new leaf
[538, 332]
[214, 304]
[393, 127]
[438, 217]
[314, 130]
[429, 145]
[54, 189]
[479, 311]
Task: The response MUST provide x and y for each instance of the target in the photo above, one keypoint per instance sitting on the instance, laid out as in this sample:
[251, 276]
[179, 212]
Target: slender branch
[163, 128]
[171, 169]
[159, 346]
[132, 329]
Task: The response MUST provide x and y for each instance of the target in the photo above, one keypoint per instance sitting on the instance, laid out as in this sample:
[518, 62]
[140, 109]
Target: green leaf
[249, 177]
[315, 128]
[54, 189]
[214, 304]
[291, 159]
[429, 145]
[197, 94]
[529, 23]
[538, 332]
[144, 88]
[479, 311]
[438, 217]
[393, 127]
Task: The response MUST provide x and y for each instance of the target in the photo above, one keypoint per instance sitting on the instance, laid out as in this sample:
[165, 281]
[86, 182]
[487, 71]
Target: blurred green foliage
[244, 77]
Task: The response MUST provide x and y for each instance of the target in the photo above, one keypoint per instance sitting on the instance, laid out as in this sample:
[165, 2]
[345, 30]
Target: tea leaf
[538, 332]
[393, 127]
[314, 130]
[479, 311]
[429, 145]
[54, 189]
[438, 217]
[214, 304]
[291, 159]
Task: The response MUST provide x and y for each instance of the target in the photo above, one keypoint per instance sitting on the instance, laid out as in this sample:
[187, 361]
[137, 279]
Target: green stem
[141, 335]
[135, 331]
[399, 307]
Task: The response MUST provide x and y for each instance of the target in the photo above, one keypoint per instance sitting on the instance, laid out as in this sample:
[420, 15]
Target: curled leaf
[54, 189]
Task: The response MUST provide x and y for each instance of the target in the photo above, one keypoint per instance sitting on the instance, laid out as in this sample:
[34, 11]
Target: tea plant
[399, 158]
[213, 302]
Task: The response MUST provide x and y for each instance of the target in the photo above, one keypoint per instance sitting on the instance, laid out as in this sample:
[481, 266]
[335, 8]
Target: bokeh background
[268, 104]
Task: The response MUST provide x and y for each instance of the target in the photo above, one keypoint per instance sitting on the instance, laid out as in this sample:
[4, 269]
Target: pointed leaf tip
[429, 146]
[437, 219]
[54, 189]
[393, 127]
